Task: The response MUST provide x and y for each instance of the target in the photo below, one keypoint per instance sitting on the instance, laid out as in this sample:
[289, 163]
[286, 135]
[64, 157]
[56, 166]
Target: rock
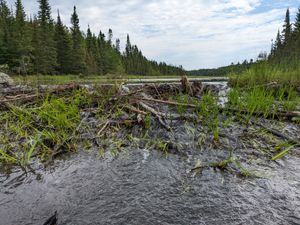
[5, 80]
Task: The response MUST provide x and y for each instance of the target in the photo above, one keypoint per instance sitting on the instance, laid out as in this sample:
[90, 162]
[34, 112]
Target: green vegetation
[264, 74]
[40, 45]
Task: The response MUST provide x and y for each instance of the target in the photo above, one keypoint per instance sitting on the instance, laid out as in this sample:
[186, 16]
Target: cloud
[192, 33]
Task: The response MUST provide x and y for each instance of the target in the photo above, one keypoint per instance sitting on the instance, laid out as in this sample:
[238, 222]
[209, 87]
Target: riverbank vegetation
[42, 124]
[40, 45]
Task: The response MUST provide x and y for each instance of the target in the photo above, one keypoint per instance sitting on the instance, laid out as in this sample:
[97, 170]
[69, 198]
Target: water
[147, 187]
[141, 187]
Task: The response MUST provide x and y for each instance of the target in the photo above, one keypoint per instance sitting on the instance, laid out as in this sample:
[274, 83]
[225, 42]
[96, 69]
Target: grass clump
[43, 131]
[209, 111]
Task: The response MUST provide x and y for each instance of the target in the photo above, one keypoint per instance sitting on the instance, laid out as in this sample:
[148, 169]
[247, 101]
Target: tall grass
[43, 130]
[263, 73]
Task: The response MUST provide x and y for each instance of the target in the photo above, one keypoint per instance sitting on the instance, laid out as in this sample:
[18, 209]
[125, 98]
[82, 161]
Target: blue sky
[192, 33]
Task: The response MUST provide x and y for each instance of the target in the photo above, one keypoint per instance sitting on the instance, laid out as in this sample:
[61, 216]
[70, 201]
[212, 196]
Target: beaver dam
[188, 153]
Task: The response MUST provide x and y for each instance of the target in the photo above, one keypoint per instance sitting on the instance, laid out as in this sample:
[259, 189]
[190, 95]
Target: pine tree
[78, 51]
[63, 47]
[45, 58]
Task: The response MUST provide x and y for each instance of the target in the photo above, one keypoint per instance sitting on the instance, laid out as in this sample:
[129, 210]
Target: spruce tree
[278, 42]
[287, 27]
[45, 58]
[92, 56]
[20, 41]
[78, 51]
[297, 22]
[118, 48]
[63, 47]
[128, 46]
[110, 36]
[5, 32]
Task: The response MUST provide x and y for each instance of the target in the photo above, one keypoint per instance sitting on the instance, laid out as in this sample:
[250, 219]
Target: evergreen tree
[287, 27]
[5, 32]
[110, 36]
[128, 46]
[118, 48]
[45, 58]
[63, 47]
[92, 56]
[20, 41]
[278, 41]
[78, 51]
[297, 22]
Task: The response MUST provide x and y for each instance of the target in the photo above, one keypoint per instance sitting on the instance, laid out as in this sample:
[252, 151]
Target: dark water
[141, 187]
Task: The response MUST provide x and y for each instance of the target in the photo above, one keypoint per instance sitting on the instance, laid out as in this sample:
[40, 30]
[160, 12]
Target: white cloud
[194, 33]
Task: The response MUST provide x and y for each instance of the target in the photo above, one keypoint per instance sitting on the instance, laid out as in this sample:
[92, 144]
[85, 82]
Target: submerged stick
[278, 134]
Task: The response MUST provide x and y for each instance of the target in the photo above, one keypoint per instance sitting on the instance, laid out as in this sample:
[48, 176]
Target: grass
[209, 112]
[43, 130]
[262, 100]
[262, 74]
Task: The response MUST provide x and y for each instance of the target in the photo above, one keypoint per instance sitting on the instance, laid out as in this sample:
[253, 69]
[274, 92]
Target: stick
[279, 114]
[278, 134]
[133, 109]
[168, 102]
[103, 128]
[159, 115]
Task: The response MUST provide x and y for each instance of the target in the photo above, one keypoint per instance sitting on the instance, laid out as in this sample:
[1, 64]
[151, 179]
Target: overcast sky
[192, 33]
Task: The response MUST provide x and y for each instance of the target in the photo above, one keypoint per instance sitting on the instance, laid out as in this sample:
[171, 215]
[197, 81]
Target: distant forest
[222, 71]
[41, 45]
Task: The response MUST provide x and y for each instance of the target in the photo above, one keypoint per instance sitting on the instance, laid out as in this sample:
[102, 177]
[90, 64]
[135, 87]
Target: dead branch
[158, 115]
[168, 102]
[275, 115]
[277, 133]
[103, 128]
[135, 110]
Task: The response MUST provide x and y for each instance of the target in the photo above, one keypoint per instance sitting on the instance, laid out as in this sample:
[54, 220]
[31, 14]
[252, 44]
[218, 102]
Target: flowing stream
[144, 186]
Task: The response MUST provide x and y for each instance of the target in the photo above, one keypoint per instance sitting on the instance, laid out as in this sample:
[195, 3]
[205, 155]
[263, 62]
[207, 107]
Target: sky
[192, 33]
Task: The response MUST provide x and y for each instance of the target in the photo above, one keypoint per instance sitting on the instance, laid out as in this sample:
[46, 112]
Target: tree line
[237, 68]
[285, 50]
[42, 45]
